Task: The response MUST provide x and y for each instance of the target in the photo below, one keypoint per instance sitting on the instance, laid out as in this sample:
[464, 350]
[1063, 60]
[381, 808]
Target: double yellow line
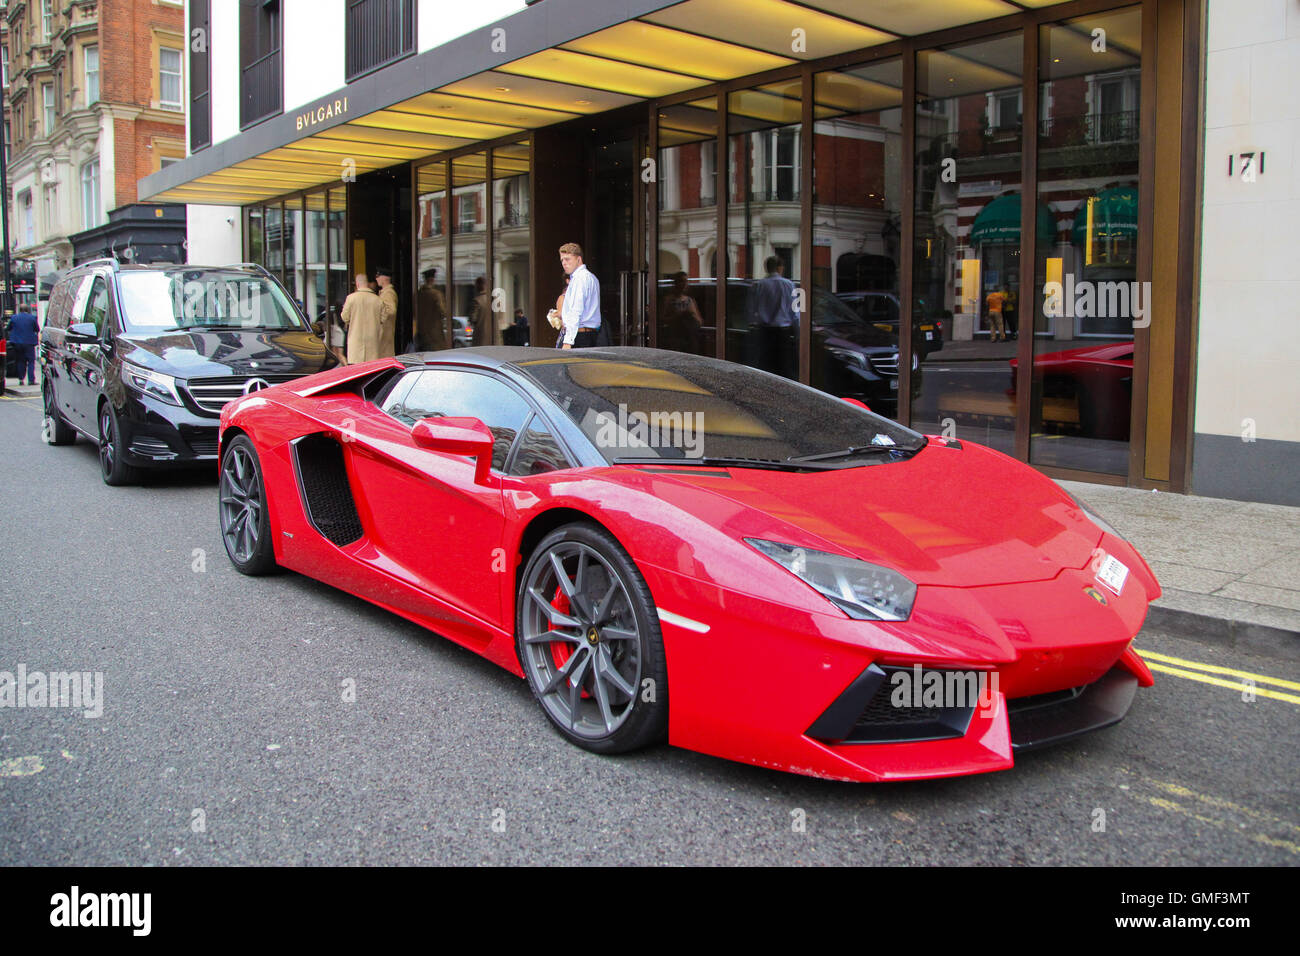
[1202, 672]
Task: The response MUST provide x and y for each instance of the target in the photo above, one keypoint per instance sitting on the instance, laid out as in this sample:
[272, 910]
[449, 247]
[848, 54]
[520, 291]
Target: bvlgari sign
[321, 114]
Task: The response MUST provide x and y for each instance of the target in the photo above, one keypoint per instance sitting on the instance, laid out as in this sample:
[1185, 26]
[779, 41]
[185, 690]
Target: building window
[29, 222]
[200, 80]
[47, 19]
[4, 64]
[261, 71]
[169, 78]
[783, 164]
[378, 32]
[90, 193]
[51, 210]
[51, 113]
[90, 58]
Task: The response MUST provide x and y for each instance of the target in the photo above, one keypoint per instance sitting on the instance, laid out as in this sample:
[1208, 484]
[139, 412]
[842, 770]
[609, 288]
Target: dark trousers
[26, 362]
[585, 339]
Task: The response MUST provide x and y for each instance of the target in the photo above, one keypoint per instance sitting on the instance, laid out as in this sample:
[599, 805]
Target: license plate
[1113, 573]
[929, 336]
[893, 384]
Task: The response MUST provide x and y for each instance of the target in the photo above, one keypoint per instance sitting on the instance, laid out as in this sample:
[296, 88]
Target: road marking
[1216, 669]
[1220, 682]
[21, 766]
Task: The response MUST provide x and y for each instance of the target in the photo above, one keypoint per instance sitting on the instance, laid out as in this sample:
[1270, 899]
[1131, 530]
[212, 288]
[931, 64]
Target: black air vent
[326, 494]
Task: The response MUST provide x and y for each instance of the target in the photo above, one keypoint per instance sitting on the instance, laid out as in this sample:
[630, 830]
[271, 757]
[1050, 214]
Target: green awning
[999, 222]
[1114, 216]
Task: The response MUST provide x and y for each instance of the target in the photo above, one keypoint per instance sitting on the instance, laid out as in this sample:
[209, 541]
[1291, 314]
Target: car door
[87, 359]
[426, 515]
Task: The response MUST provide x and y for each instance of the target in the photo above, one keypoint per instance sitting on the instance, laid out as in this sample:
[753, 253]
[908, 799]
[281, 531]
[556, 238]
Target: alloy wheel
[241, 504]
[581, 640]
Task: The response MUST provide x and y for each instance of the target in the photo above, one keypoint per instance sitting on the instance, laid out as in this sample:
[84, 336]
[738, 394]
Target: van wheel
[112, 468]
[54, 430]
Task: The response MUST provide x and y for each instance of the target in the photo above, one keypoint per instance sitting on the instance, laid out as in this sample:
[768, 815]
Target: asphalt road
[225, 694]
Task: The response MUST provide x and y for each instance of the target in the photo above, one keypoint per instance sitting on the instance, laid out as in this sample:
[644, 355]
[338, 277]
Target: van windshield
[204, 299]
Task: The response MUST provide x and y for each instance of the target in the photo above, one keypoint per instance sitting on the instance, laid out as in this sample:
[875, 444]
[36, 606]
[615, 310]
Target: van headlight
[146, 380]
[861, 590]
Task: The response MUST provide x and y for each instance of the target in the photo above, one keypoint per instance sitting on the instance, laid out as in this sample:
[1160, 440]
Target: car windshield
[645, 403]
[203, 299]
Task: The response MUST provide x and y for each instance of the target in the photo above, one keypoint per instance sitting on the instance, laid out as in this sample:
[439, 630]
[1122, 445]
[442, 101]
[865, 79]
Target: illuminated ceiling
[656, 55]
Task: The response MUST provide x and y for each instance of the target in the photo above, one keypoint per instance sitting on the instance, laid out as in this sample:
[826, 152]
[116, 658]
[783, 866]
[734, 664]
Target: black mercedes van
[140, 359]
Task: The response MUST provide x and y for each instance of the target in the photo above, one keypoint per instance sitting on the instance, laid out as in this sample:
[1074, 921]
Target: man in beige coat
[363, 317]
[388, 297]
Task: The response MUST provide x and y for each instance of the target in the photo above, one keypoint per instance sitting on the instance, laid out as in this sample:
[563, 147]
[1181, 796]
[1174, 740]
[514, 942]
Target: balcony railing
[378, 32]
[1091, 128]
[261, 88]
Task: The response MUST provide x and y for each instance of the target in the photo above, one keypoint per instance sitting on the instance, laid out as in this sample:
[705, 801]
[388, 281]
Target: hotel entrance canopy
[562, 59]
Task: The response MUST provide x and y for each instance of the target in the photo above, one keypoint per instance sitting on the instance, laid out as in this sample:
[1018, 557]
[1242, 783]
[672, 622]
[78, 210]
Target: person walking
[772, 318]
[388, 299]
[363, 317]
[24, 333]
[997, 330]
[581, 312]
[430, 315]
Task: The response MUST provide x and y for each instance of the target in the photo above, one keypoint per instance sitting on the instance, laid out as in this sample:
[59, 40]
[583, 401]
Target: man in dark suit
[24, 333]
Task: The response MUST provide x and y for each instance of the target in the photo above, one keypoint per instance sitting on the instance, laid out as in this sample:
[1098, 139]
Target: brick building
[96, 101]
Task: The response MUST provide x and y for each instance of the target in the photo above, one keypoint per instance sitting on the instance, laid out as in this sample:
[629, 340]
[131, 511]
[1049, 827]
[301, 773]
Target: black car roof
[499, 356]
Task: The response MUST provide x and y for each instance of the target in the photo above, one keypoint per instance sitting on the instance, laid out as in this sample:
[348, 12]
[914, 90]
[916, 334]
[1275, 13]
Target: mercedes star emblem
[255, 385]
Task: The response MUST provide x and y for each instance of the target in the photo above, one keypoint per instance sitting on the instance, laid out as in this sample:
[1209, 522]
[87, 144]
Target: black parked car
[141, 359]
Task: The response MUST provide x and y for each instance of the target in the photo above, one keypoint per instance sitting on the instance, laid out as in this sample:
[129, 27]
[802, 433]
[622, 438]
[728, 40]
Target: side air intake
[326, 494]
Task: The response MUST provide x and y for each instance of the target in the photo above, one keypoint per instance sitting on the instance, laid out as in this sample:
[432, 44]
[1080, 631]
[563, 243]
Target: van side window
[97, 305]
[56, 313]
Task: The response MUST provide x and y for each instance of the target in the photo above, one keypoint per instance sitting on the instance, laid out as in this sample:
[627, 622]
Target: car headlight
[861, 590]
[146, 380]
[848, 357]
[1096, 519]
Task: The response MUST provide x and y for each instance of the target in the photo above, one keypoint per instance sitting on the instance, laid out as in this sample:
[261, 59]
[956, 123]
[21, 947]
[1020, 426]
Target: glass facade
[1086, 274]
[826, 221]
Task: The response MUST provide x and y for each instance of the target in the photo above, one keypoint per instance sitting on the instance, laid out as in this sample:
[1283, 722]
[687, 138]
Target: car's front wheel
[113, 468]
[588, 638]
[54, 430]
[245, 521]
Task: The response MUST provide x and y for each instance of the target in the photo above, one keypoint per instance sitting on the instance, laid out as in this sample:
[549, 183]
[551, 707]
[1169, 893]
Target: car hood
[957, 517]
[227, 352]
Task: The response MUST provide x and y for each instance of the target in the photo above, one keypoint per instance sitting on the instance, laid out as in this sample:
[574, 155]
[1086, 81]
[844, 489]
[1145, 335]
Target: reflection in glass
[337, 283]
[966, 255]
[510, 185]
[471, 299]
[256, 236]
[1086, 296]
[857, 184]
[293, 249]
[688, 227]
[432, 332]
[274, 220]
[315, 297]
[764, 253]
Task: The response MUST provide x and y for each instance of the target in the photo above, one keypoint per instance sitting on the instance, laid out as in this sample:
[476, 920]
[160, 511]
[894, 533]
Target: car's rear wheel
[54, 430]
[588, 638]
[113, 468]
[245, 520]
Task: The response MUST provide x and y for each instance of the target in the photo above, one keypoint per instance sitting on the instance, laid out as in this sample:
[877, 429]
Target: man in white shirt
[581, 313]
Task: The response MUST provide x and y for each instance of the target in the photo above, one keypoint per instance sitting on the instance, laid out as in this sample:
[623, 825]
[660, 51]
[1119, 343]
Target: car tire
[242, 509]
[112, 468]
[54, 430]
[581, 586]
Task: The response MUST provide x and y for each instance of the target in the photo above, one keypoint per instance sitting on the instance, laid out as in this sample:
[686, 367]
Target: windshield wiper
[900, 451]
[771, 464]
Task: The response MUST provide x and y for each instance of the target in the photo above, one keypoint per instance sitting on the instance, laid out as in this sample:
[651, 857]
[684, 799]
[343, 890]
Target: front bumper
[158, 434]
[767, 683]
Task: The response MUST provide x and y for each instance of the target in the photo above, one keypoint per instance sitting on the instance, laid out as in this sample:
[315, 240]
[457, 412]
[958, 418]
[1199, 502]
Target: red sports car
[668, 546]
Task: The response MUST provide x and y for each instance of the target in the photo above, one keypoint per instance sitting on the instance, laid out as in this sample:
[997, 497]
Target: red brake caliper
[561, 651]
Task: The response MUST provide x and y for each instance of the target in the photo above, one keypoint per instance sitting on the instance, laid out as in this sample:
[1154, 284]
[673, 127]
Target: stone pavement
[1230, 570]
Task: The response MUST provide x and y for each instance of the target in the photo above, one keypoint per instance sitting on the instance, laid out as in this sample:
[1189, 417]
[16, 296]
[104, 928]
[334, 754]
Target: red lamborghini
[668, 546]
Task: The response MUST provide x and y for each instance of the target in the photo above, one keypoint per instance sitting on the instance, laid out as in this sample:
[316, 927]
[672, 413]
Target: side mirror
[82, 333]
[457, 436]
[854, 401]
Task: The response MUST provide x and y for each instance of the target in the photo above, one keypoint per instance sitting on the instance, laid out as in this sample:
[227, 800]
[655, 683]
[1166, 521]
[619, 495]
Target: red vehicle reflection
[1091, 388]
